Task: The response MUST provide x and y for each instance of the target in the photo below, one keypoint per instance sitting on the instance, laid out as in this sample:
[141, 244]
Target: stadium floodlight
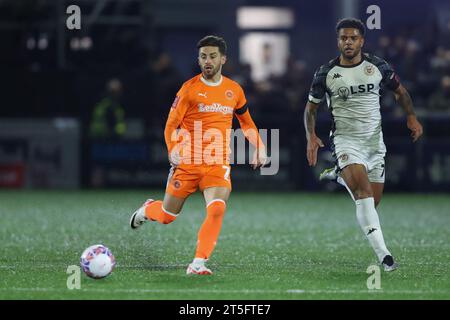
[265, 18]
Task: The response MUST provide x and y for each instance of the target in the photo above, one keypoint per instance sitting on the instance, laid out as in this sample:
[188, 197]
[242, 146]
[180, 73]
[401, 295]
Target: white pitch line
[243, 291]
[59, 266]
[374, 291]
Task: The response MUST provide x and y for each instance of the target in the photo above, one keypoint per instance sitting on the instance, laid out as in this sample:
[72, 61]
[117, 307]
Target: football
[97, 261]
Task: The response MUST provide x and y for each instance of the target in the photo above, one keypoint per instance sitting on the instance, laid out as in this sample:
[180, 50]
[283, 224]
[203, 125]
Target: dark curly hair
[213, 41]
[351, 23]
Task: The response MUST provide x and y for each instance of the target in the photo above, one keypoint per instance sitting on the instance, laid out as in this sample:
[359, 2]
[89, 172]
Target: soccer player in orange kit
[201, 117]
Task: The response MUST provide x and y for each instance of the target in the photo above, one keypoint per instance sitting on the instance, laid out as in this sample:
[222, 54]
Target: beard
[351, 54]
[210, 73]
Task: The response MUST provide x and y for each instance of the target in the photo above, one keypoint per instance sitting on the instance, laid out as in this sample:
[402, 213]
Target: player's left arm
[249, 129]
[391, 81]
[404, 99]
[252, 135]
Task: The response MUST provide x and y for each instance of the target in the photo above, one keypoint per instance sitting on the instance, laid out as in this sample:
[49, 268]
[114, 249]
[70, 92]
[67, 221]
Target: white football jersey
[353, 97]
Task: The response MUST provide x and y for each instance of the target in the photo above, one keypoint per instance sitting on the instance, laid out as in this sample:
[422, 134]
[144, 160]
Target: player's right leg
[333, 174]
[356, 178]
[181, 182]
[329, 174]
[164, 212]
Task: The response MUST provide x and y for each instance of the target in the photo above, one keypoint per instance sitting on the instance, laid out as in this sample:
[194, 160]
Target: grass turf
[272, 246]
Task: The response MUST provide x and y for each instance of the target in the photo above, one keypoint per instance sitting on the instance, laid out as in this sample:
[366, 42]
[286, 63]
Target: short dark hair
[351, 23]
[213, 41]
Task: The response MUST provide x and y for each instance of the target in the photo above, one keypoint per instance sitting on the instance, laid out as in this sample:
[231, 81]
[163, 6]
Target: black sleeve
[241, 110]
[390, 79]
[318, 86]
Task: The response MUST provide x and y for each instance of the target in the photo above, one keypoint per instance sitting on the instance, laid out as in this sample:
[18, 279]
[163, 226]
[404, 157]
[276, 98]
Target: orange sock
[210, 229]
[155, 211]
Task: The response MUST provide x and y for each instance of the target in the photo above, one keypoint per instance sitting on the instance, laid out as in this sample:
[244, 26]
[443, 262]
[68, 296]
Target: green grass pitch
[272, 246]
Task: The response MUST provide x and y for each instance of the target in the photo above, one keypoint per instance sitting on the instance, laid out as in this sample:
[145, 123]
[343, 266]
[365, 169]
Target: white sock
[342, 183]
[199, 261]
[370, 224]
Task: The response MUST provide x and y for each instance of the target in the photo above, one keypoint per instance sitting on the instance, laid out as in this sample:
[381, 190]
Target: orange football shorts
[187, 178]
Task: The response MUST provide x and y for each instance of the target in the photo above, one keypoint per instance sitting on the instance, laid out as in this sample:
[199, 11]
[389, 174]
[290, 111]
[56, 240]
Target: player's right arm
[316, 95]
[314, 141]
[176, 115]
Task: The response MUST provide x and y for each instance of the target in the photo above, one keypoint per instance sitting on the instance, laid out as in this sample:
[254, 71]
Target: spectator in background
[440, 62]
[166, 82]
[398, 49]
[154, 86]
[295, 83]
[440, 99]
[108, 116]
[242, 74]
[385, 48]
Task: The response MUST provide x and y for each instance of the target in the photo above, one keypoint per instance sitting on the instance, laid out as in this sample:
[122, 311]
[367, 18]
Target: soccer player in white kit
[351, 84]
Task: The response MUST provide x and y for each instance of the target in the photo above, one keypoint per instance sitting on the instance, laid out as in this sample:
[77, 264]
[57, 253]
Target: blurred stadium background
[86, 108]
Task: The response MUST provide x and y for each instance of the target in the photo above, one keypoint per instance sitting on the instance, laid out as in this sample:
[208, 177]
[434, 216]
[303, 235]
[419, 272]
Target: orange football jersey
[205, 111]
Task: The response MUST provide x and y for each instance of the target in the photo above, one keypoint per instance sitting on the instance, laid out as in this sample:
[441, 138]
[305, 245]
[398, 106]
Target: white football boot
[138, 218]
[329, 174]
[198, 267]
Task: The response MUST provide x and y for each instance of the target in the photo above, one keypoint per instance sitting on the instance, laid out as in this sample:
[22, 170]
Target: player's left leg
[208, 234]
[376, 177]
[216, 188]
[357, 180]
[377, 189]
